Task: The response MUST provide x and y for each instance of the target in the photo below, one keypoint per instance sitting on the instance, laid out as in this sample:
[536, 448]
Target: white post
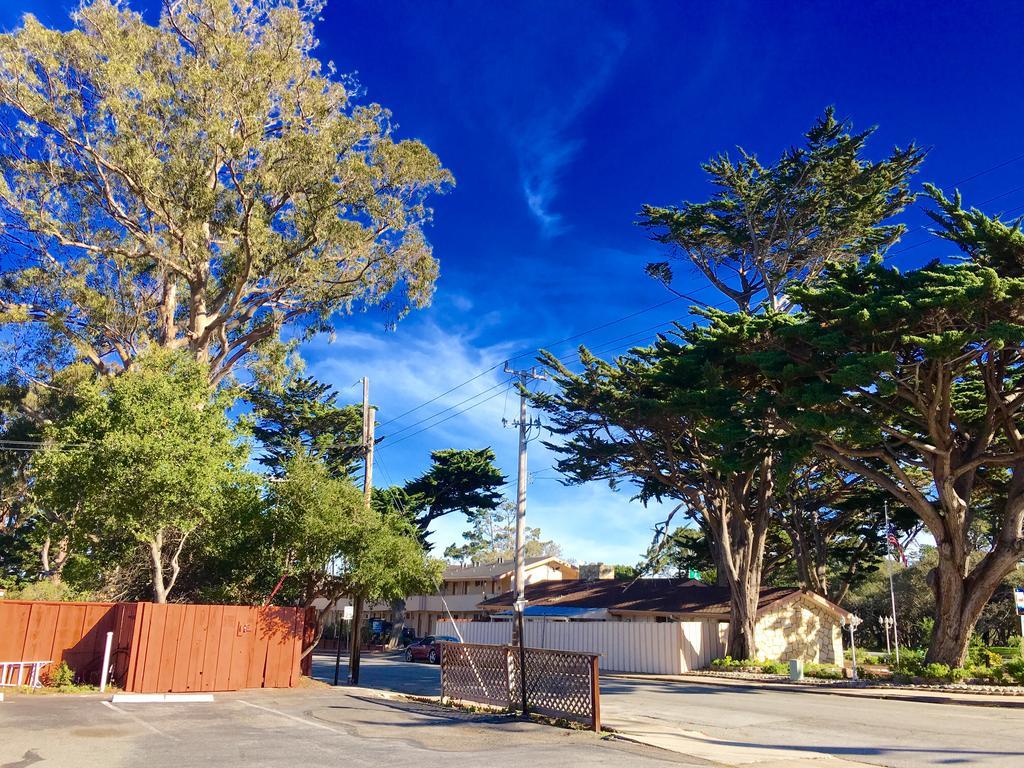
[892, 590]
[853, 651]
[106, 662]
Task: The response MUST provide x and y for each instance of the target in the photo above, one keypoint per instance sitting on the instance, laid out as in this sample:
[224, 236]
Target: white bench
[15, 674]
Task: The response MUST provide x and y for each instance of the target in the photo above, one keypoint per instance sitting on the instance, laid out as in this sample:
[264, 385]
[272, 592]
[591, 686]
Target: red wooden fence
[160, 648]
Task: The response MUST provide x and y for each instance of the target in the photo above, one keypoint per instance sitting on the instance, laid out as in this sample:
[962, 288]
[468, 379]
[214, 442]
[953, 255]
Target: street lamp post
[853, 645]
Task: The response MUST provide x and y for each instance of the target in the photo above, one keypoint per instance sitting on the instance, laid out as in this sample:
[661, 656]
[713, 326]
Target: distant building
[464, 587]
[791, 623]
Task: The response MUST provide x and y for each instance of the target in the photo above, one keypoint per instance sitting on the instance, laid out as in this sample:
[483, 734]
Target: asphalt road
[753, 724]
[283, 729]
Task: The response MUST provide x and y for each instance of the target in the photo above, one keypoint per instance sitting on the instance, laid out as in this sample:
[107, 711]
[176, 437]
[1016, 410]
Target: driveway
[282, 729]
[739, 725]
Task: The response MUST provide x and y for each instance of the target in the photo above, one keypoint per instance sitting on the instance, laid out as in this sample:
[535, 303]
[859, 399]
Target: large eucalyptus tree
[198, 184]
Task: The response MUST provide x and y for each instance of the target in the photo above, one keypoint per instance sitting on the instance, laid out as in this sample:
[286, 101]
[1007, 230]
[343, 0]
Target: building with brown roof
[791, 622]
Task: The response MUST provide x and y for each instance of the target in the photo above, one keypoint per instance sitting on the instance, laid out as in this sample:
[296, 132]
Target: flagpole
[892, 590]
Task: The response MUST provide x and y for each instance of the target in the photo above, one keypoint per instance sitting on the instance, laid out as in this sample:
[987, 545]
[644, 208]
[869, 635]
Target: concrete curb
[978, 700]
[160, 698]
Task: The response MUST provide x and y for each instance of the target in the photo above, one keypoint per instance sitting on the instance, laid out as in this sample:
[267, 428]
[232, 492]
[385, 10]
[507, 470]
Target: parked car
[428, 648]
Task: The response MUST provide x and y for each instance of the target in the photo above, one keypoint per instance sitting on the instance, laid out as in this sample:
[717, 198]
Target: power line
[1003, 164]
[442, 421]
[983, 202]
[450, 407]
[438, 397]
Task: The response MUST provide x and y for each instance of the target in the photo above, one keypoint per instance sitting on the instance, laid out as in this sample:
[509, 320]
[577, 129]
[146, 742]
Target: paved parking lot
[278, 729]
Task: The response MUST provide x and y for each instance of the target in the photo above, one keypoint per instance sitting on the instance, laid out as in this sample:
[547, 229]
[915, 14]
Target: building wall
[800, 630]
[669, 648]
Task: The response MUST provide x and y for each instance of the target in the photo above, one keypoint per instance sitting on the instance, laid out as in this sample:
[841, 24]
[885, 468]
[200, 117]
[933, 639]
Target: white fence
[669, 648]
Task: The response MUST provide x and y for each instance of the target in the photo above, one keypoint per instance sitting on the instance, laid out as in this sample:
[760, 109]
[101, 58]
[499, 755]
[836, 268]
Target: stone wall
[800, 630]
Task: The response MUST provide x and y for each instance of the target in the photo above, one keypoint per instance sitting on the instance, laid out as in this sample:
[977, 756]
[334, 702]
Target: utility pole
[369, 414]
[520, 577]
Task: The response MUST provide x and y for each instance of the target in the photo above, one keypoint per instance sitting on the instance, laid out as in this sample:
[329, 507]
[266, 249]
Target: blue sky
[560, 119]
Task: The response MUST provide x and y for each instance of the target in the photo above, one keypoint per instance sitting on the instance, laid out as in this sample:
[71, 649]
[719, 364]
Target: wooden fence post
[595, 694]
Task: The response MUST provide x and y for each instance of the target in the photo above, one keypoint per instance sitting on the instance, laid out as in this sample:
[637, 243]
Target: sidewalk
[867, 692]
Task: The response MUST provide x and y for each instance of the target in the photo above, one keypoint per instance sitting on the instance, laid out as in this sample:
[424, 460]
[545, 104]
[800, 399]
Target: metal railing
[15, 674]
[558, 683]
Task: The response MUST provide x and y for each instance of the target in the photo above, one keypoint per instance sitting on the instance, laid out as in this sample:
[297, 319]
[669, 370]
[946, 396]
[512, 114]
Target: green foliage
[911, 662]
[824, 671]
[53, 591]
[767, 226]
[763, 666]
[994, 675]
[60, 676]
[465, 481]
[333, 544]
[493, 536]
[626, 572]
[1014, 668]
[303, 416]
[219, 183]
[145, 459]
[936, 672]
[886, 372]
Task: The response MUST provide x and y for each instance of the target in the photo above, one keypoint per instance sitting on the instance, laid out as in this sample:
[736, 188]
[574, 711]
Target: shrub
[988, 674]
[824, 671]
[61, 676]
[958, 674]
[1014, 668]
[775, 668]
[911, 662]
[936, 672]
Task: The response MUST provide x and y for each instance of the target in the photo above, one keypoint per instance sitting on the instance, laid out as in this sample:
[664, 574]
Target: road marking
[161, 698]
[302, 720]
[139, 720]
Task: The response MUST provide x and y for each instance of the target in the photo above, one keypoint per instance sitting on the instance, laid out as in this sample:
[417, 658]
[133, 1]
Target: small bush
[938, 673]
[1014, 668]
[988, 674]
[61, 676]
[911, 662]
[958, 674]
[775, 668]
[824, 671]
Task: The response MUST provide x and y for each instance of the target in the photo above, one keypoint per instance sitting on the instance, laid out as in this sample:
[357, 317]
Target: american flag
[894, 542]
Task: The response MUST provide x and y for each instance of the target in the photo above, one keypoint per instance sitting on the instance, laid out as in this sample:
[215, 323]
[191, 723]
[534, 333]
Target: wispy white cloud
[544, 142]
[420, 362]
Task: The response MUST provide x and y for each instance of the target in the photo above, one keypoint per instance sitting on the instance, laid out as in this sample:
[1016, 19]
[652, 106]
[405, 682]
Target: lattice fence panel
[475, 673]
[558, 683]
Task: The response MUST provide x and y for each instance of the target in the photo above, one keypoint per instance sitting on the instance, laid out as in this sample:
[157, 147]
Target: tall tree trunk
[397, 623]
[743, 541]
[157, 556]
[961, 596]
[744, 597]
[53, 565]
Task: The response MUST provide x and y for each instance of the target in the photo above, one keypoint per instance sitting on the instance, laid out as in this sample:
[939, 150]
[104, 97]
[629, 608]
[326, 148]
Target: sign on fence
[558, 683]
